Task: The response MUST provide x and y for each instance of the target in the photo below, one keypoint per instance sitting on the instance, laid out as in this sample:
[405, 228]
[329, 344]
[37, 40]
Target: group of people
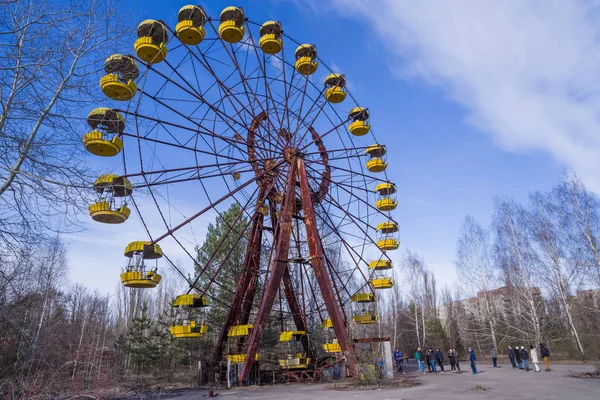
[519, 358]
[433, 359]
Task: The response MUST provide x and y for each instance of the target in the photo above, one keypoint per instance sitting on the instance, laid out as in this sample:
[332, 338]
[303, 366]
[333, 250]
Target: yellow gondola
[151, 45]
[366, 313]
[388, 244]
[328, 324]
[118, 83]
[110, 187]
[294, 359]
[187, 322]
[380, 265]
[270, 37]
[380, 278]
[190, 25]
[121, 187]
[298, 361]
[239, 358]
[104, 138]
[232, 28]
[386, 204]
[363, 298]
[359, 124]
[190, 300]
[387, 227]
[137, 274]
[239, 330]
[366, 318]
[387, 239]
[188, 329]
[306, 59]
[382, 283]
[377, 162]
[332, 347]
[385, 189]
[102, 211]
[288, 336]
[336, 88]
[386, 200]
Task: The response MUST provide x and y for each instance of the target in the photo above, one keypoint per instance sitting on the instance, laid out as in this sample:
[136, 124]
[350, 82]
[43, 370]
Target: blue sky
[474, 99]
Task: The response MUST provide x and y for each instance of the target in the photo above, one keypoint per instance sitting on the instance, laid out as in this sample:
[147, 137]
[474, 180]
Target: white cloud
[527, 72]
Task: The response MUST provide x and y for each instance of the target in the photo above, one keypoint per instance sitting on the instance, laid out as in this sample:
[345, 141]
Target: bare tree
[422, 295]
[50, 55]
[477, 272]
[555, 270]
[451, 316]
[514, 255]
[582, 223]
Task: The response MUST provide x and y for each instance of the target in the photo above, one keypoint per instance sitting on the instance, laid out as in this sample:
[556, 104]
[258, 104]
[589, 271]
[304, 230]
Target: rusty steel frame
[280, 272]
[251, 268]
[320, 270]
[277, 271]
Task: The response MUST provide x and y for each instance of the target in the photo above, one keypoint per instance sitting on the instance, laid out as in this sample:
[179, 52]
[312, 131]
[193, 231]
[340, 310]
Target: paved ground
[504, 383]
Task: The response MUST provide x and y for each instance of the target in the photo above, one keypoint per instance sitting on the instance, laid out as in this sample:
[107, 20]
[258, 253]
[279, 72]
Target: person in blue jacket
[473, 360]
[399, 358]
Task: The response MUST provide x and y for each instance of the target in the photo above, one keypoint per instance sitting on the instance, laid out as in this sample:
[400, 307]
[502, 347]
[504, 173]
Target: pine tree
[230, 253]
[139, 343]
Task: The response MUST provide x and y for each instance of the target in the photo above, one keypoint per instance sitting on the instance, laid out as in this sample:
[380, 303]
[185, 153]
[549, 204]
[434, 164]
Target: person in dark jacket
[457, 359]
[518, 357]
[494, 356]
[511, 356]
[452, 359]
[432, 360]
[439, 356]
[473, 360]
[545, 353]
[399, 358]
[525, 358]
[428, 360]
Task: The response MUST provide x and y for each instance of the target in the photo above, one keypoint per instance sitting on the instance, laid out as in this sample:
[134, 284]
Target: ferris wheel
[225, 110]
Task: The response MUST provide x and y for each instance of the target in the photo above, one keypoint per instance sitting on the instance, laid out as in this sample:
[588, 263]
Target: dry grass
[480, 388]
[403, 382]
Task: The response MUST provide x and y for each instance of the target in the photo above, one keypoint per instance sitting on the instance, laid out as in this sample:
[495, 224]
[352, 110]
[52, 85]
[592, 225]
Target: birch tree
[556, 271]
[513, 253]
[477, 273]
[581, 222]
[51, 52]
[422, 296]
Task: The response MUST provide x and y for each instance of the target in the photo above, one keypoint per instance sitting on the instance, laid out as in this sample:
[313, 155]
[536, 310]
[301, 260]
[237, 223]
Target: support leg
[280, 263]
[321, 274]
[251, 266]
